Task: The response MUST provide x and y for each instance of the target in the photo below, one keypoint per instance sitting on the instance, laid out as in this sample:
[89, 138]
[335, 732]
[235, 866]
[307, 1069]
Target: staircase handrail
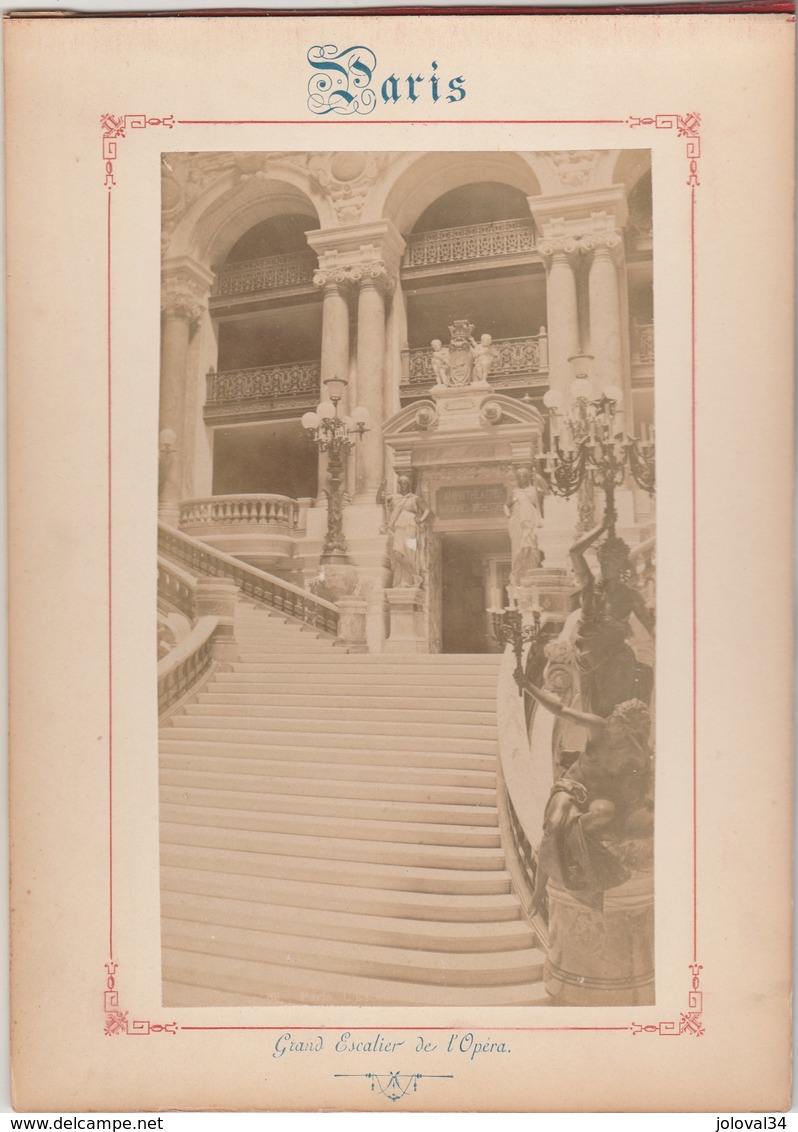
[188, 665]
[176, 587]
[260, 587]
[519, 818]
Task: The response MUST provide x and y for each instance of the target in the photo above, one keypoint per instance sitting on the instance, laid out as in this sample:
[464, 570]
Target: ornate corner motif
[114, 127]
[687, 126]
[689, 1021]
[395, 1086]
[117, 1020]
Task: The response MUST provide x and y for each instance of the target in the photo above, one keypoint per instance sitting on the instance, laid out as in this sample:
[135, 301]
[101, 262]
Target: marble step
[205, 715]
[465, 797]
[215, 703]
[428, 661]
[252, 839]
[236, 811]
[209, 881]
[222, 974]
[244, 695]
[247, 796]
[258, 731]
[354, 668]
[476, 968]
[383, 931]
[336, 676]
[275, 767]
[217, 851]
[353, 757]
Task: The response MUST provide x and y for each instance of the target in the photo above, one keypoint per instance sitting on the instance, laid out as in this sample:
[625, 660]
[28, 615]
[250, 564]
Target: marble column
[562, 309]
[606, 333]
[373, 285]
[181, 311]
[334, 344]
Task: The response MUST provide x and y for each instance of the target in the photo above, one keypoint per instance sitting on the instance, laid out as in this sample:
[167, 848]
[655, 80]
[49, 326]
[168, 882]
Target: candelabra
[335, 435]
[509, 629]
[587, 439]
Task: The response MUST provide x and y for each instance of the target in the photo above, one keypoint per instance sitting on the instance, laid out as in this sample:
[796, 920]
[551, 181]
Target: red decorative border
[685, 126]
[116, 1019]
[689, 1022]
[114, 127]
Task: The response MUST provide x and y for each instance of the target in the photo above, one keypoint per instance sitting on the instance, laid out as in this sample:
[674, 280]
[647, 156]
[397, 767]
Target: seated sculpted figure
[600, 806]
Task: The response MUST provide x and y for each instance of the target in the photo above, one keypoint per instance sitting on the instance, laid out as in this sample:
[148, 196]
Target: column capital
[185, 285]
[357, 253]
[607, 244]
[562, 248]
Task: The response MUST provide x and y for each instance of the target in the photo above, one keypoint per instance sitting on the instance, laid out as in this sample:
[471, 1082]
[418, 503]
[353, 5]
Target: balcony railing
[240, 511]
[512, 357]
[233, 392]
[272, 273]
[643, 342]
[471, 242]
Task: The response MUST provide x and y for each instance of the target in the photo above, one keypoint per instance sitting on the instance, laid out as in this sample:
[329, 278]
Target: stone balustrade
[183, 669]
[258, 586]
[238, 511]
[271, 273]
[176, 588]
[522, 790]
[470, 242]
[514, 360]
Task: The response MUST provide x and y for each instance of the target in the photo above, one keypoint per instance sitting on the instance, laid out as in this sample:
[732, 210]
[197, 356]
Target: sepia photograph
[406, 579]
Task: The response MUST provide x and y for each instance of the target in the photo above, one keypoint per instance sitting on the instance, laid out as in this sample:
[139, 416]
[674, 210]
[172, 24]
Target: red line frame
[689, 1022]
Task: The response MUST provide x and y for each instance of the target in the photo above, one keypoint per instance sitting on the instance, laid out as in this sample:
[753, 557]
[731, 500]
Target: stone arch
[420, 178]
[630, 166]
[231, 204]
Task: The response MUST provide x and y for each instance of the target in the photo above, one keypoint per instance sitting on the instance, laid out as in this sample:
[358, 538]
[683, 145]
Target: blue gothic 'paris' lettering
[341, 82]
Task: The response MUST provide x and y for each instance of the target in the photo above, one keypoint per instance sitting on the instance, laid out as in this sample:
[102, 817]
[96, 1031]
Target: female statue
[610, 670]
[524, 511]
[406, 515]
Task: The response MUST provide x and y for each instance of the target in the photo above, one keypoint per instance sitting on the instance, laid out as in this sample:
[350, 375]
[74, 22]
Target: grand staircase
[329, 832]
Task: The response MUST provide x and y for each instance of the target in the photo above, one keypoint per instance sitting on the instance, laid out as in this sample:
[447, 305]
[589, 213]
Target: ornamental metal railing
[471, 242]
[264, 383]
[248, 511]
[267, 274]
[512, 357]
[260, 587]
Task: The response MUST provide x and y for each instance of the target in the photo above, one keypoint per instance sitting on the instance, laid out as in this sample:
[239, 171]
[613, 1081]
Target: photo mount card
[398, 844]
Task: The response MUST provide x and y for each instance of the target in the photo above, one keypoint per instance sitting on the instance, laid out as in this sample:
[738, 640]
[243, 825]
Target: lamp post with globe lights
[587, 440]
[336, 435]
